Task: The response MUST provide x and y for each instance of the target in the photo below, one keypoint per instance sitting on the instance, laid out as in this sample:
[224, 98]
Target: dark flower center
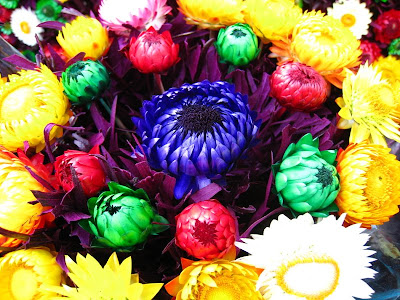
[324, 176]
[112, 209]
[205, 233]
[198, 118]
[237, 33]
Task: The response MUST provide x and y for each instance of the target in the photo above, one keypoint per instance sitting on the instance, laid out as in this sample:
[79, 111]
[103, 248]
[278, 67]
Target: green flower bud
[48, 10]
[394, 47]
[85, 81]
[6, 28]
[10, 4]
[122, 218]
[29, 55]
[306, 179]
[237, 45]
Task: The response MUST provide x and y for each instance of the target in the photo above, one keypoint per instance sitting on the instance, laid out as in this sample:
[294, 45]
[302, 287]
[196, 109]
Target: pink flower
[120, 15]
[205, 230]
[370, 51]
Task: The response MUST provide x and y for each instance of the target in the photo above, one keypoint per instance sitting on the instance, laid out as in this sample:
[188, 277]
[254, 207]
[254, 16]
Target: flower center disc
[198, 118]
[16, 104]
[226, 289]
[379, 184]
[348, 20]
[311, 278]
[19, 287]
[25, 27]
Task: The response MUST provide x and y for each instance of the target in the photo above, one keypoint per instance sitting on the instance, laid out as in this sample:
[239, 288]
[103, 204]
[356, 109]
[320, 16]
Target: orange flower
[18, 217]
[369, 177]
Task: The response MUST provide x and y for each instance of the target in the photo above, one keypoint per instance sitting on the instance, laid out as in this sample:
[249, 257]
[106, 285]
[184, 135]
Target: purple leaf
[20, 62]
[206, 193]
[71, 11]
[52, 25]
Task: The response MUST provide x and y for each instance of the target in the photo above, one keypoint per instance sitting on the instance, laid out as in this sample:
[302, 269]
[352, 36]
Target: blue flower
[196, 132]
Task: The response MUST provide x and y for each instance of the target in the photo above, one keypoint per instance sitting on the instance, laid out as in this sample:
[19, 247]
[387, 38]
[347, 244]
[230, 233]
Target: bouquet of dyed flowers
[199, 149]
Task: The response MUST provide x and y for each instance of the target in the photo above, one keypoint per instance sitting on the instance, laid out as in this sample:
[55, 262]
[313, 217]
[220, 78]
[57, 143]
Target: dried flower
[387, 26]
[237, 44]
[370, 51]
[196, 132]
[152, 52]
[205, 230]
[298, 87]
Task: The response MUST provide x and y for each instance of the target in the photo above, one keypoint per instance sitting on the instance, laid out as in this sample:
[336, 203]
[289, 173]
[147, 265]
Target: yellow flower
[16, 184]
[215, 280]
[369, 107]
[272, 19]
[23, 272]
[369, 181]
[211, 14]
[114, 281]
[323, 43]
[390, 68]
[28, 102]
[84, 35]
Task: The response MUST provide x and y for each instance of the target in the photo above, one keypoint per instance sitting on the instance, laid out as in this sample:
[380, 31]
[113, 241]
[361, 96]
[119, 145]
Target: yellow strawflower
[211, 14]
[16, 183]
[369, 107]
[272, 19]
[369, 184]
[24, 272]
[28, 102]
[323, 43]
[390, 68]
[114, 281]
[215, 280]
[84, 34]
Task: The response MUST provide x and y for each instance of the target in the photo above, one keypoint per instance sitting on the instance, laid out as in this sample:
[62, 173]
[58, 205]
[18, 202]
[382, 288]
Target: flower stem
[159, 84]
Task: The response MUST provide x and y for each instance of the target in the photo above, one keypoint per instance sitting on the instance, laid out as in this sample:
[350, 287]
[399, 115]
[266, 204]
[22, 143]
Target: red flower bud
[370, 50]
[205, 230]
[88, 170]
[152, 52]
[387, 26]
[5, 14]
[298, 87]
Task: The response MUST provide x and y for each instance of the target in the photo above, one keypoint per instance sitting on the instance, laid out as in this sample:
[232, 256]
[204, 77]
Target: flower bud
[85, 81]
[205, 230]
[394, 47]
[151, 52]
[298, 87]
[88, 170]
[306, 179]
[48, 10]
[122, 218]
[237, 45]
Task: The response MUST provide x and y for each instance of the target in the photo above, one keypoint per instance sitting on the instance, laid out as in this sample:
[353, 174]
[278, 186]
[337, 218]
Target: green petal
[299, 173]
[280, 181]
[156, 228]
[294, 190]
[301, 207]
[329, 156]
[290, 162]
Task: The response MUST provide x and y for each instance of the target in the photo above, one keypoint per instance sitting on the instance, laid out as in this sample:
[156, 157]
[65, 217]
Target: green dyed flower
[237, 45]
[306, 179]
[122, 218]
[84, 81]
[29, 55]
[10, 4]
[394, 47]
[48, 10]
[6, 28]
[300, 3]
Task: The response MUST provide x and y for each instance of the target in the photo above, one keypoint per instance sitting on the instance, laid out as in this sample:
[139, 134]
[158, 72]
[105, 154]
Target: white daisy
[353, 14]
[24, 25]
[303, 260]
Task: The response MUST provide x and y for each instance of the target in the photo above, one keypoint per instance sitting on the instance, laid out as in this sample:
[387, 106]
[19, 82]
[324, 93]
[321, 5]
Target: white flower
[353, 14]
[139, 14]
[303, 260]
[24, 25]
